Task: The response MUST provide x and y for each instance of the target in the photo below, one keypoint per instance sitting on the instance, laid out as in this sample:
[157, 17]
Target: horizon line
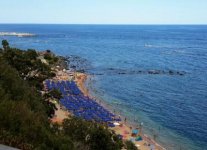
[104, 24]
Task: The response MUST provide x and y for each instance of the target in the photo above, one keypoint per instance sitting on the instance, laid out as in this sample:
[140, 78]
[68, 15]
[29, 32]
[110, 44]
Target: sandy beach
[122, 128]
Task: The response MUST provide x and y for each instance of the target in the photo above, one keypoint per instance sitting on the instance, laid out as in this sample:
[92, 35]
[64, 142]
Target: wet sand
[80, 79]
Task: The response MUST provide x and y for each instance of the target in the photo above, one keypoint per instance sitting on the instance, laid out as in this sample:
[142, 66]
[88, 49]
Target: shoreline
[124, 128]
[80, 79]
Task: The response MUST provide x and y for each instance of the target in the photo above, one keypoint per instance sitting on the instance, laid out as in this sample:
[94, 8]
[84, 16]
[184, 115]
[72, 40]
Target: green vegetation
[50, 58]
[56, 94]
[25, 111]
[5, 44]
[130, 145]
[92, 135]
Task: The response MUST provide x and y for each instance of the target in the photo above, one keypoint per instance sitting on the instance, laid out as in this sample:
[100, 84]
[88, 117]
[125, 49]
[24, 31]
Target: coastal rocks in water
[154, 72]
[170, 72]
[63, 62]
[83, 65]
[114, 71]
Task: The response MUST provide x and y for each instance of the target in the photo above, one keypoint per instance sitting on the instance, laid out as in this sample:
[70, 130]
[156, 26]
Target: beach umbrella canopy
[116, 123]
[135, 131]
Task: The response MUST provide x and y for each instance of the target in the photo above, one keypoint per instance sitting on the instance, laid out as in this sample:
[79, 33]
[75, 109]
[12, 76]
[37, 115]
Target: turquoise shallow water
[122, 59]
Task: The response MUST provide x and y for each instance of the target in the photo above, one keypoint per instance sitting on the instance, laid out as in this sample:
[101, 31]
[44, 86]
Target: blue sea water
[173, 108]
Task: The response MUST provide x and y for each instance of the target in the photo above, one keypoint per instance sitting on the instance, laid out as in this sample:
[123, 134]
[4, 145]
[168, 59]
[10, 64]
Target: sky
[104, 11]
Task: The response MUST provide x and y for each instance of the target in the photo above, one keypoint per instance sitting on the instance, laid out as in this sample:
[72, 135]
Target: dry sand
[60, 115]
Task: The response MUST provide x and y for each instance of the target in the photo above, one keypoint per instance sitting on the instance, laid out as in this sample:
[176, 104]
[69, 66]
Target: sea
[154, 75]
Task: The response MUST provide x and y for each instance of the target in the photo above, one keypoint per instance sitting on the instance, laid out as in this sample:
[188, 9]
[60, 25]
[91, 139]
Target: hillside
[26, 112]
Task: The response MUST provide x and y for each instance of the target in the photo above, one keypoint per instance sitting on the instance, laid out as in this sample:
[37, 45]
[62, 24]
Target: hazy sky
[104, 11]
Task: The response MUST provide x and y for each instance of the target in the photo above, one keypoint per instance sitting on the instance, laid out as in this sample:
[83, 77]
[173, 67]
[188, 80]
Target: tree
[31, 54]
[5, 44]
[55, 94]
[93, 135]
[25, 112]
[130, 146]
